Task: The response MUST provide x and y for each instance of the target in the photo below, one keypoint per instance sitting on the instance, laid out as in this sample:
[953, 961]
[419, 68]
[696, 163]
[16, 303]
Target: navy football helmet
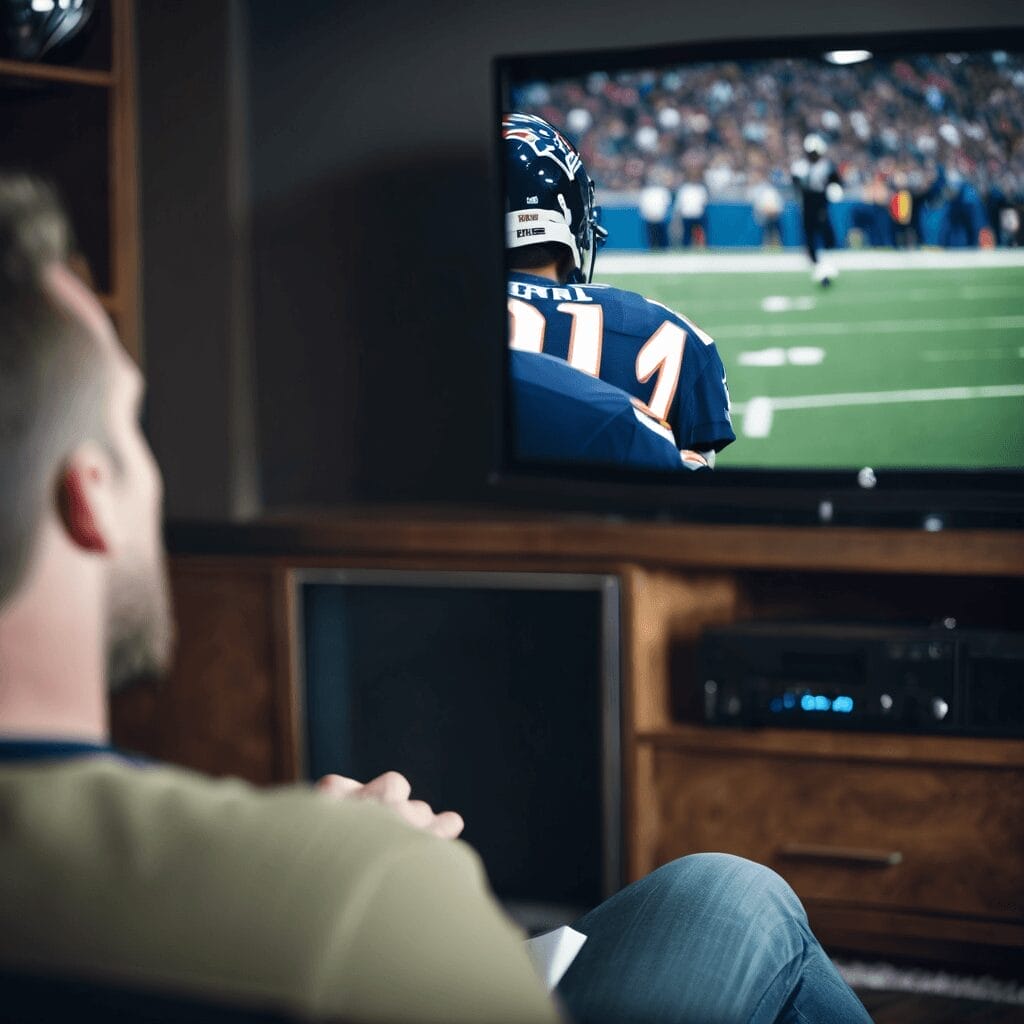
[549, 196]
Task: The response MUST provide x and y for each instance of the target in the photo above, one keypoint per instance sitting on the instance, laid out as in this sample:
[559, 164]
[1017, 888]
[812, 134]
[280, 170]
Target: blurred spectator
[1010, 226]
[656, 208]
[1004, 211]
[743, 123]
[691, 203]
[904, 212]
[768, 206]
[964, 217]
[873, 215]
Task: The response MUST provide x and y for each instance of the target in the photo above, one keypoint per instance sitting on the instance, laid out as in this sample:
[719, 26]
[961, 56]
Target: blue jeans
[707, 939]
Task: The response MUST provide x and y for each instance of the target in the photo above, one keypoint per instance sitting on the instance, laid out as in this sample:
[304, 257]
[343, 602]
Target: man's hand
[393, 790]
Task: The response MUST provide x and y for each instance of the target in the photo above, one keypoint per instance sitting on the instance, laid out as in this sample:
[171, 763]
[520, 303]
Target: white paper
[553, 952]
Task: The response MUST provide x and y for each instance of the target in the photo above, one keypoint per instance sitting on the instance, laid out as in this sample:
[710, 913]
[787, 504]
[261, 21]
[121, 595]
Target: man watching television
[338, 902]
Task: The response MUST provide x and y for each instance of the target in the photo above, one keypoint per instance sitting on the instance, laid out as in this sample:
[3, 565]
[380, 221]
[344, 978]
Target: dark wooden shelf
[494, 535]
[841, 746]
[58, 73]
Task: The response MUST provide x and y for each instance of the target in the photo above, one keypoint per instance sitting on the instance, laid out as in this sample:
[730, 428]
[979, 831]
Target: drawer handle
[841, 854]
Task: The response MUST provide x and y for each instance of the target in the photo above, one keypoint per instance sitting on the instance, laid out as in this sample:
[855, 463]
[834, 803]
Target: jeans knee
[742, 885]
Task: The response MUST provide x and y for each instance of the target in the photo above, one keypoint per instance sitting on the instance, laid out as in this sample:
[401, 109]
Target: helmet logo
[565, 209]
[544, 141]
[532, 200]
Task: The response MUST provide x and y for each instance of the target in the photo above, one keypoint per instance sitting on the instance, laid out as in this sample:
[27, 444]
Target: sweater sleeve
[431, 944]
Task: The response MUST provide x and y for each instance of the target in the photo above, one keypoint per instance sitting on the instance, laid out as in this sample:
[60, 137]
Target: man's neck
[52, 661]
[549, 270]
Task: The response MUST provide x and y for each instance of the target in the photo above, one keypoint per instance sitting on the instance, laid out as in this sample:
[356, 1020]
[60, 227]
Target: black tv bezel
[928, 499]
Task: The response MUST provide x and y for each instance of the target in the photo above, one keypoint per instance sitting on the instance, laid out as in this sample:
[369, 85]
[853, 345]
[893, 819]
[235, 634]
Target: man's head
[815, 146]
[73, 462]
[550, 216]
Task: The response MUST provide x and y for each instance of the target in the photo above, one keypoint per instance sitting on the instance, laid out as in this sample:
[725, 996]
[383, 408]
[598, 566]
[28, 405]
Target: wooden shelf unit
[952, 808]
[57, 73]
[894, 748]
[38, 143]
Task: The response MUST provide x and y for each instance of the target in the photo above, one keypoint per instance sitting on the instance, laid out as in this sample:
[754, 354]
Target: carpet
[890, 978]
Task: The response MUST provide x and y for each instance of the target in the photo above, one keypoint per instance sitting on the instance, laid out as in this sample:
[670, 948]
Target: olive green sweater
[170, 881]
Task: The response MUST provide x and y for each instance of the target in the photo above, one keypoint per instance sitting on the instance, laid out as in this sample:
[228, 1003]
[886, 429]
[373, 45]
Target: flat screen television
[881, 384]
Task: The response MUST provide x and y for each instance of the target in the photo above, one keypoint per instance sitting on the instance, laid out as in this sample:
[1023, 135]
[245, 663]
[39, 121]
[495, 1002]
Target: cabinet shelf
[573, 538]
[73, 126]
[57, 73]
[840, 746]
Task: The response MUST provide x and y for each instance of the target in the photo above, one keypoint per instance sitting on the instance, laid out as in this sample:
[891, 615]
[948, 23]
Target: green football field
[901, 367]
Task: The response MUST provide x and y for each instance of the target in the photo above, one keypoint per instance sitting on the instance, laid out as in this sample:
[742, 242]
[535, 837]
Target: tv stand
[899, 845]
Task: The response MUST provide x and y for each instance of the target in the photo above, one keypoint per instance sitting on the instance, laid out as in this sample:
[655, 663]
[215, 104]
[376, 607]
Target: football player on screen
[819, 183]
[669, 366]
[563, 415]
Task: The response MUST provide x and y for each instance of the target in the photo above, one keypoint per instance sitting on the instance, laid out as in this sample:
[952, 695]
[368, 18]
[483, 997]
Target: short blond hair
[52, 376]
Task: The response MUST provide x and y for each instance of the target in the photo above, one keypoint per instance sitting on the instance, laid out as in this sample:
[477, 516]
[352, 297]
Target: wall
[196, 255]
[373, 241]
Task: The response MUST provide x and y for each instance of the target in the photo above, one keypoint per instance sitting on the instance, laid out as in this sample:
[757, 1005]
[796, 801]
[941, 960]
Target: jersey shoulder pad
[627, 305]
[683, 321]
[640, 315]
[631, 304]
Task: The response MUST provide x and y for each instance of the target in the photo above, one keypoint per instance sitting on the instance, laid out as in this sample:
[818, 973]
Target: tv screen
[802, 263]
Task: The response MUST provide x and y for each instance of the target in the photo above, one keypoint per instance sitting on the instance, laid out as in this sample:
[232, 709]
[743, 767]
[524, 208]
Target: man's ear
[83, 498]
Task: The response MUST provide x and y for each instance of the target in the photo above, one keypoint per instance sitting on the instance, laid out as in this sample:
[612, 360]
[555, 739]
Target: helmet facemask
[594, 238]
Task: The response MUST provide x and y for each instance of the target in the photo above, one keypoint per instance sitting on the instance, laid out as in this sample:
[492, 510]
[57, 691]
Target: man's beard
[140, 624]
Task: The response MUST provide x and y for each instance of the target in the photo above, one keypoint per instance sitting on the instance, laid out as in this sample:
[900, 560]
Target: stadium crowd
[930, 126]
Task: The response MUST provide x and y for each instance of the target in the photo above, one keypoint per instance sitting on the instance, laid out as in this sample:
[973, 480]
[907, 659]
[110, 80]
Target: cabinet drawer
[914, 837]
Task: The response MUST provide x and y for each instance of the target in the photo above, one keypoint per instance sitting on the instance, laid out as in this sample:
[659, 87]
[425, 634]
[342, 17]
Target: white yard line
[726, 262]
[869, 327]
[969, 355]
[742, 301]
[759, 413]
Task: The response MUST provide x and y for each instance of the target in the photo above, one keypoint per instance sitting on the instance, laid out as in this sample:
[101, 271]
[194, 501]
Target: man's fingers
[447, 825]
[338, 786]
[416, 812]
[393, 789]
[389, 788]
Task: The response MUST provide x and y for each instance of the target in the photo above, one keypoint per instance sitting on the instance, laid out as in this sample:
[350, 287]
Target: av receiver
[914, 680]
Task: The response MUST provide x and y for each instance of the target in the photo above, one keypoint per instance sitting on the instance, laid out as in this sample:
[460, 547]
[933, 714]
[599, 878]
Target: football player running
[819, 183]
[670, 367]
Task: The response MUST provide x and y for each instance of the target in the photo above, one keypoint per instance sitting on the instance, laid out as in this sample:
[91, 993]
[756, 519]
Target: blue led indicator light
[776, 705]
[842, 704]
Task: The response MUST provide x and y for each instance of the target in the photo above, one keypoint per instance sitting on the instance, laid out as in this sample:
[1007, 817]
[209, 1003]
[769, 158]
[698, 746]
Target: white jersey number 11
[661, 354]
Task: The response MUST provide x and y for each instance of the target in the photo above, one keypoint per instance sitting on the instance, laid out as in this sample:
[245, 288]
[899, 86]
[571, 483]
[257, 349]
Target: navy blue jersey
[634, 343]
[563, 415]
